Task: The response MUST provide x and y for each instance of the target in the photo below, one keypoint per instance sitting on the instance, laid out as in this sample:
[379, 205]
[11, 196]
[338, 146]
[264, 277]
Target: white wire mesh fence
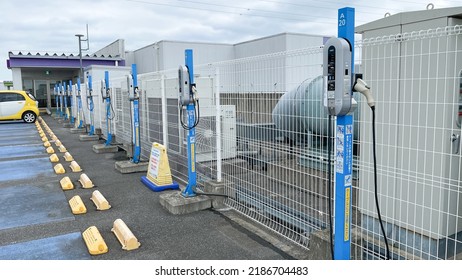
[263, 131]
[416, 81]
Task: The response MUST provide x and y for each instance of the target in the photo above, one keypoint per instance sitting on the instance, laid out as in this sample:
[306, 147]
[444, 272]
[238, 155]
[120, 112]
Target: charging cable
[195, 100]
[363, 88]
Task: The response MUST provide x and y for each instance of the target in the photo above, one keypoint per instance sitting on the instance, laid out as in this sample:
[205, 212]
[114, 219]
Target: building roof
[59, 56]
[410, 17]
[55, 60]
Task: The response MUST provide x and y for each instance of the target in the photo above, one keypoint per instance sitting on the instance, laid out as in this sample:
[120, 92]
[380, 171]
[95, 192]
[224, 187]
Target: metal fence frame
[282, 183]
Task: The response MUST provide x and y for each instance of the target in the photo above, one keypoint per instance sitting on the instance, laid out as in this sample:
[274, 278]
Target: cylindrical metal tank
[301, 110]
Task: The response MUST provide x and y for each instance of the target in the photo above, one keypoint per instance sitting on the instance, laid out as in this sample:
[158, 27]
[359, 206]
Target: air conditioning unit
[206, 136]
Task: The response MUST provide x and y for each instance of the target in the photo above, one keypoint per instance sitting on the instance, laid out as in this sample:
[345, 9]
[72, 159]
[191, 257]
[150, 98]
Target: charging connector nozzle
[362, 87]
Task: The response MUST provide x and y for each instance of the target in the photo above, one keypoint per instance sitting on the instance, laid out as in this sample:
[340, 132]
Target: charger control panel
[337, 76]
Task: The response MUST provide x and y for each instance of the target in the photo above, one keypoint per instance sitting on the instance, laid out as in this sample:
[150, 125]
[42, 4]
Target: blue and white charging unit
[187, 98]
[71, 97]
[91, 106]
[338, 100]
[79, 105]
[106, 94]
[61, 100]
[65, 94]
[134, 97]
[57, 99]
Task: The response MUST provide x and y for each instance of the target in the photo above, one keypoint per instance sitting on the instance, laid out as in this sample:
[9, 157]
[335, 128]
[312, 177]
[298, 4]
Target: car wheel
[29, 117]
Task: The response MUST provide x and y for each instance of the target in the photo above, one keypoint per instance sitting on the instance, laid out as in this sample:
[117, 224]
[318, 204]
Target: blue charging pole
[61, 92]
[71, 116]
[91, 106]
[344, 154]
[65, 100]
[190, 109]
[136, 117]
[107, 96]
[57, 99]
[79, 105]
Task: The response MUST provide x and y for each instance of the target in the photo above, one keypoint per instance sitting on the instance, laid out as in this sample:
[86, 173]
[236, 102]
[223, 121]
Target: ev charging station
[79, 106]
[91, 106]
[78, 123]
[68, 109]
[60, 92]
[134, 98]
[91, 136]
[187, 98]
[57, 99]
[339, 83]
[71, 116]
[338, 70]
[65, 94]
[106, 95]
[107, 146]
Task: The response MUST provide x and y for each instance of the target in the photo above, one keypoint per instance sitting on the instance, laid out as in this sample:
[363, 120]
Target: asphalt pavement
[37, 222]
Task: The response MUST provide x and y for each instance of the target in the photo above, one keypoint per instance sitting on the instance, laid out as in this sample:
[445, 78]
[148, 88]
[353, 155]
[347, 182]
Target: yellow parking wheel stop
[68, 157]
[59, 169]
[125, 235]
[85, 181]
[100, 201]
[75, 166]
[77, 205]
[94, 241]
[54, 158]
[66, 184]
[62, 149]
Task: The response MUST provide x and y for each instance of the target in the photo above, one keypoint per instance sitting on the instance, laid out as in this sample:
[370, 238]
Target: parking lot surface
[37, 222]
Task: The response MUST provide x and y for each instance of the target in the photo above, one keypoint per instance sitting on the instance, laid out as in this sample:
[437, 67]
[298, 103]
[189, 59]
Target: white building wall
[166, 55]
[17, 78]
[116, 48]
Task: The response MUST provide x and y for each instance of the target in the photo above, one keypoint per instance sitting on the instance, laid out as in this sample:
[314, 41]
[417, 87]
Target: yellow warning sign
[346, 236]
[159, 167]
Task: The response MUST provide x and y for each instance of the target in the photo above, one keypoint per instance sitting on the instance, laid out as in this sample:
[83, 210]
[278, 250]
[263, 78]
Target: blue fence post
[190, 109]
[344, 154]
[136, 117]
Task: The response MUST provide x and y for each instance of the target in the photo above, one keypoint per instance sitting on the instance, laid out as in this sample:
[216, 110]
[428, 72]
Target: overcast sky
[50, 25]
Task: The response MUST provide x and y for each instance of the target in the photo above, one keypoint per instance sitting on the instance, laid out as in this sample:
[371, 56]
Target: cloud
[50, 25]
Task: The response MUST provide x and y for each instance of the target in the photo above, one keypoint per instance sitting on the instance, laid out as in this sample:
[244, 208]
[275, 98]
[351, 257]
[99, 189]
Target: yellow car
[18, 105]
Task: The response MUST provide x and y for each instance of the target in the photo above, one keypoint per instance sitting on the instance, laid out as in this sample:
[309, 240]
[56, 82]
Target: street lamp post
[79, 36]
[80, 55]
